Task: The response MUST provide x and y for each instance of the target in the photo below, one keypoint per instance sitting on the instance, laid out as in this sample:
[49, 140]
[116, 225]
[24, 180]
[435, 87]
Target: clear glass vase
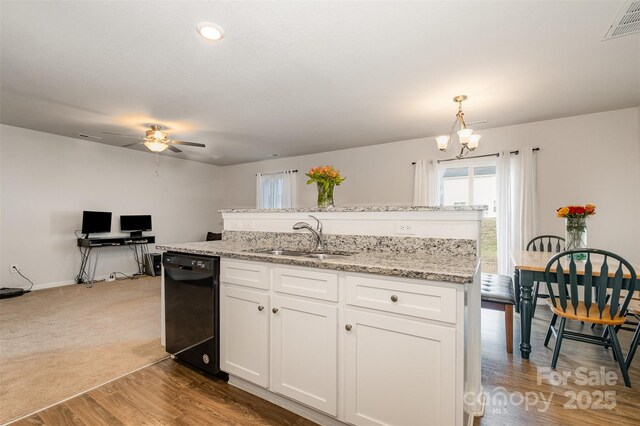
[325, 194]
[576, 235]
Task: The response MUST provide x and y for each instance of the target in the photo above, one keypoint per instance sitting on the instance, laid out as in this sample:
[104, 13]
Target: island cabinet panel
[398, 372]
[249, 274]
[306, 282]
[304, 352]
[402, 297]
[244, 333]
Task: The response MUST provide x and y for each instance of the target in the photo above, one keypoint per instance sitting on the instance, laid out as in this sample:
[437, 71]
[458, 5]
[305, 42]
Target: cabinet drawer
[308, 283]
[418, 300]
[249, 274]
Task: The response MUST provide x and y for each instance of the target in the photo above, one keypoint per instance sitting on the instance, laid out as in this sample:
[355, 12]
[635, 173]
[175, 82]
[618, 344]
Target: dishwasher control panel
[187, 262]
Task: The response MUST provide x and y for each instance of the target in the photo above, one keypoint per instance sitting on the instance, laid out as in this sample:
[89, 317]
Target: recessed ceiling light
[210, 31]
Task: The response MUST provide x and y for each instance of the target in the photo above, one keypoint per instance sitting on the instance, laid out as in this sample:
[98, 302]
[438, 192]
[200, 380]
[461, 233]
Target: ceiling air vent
[85, 136]
[626, 22]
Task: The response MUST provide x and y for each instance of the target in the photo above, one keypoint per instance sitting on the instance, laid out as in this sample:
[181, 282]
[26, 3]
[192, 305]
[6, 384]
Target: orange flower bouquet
[576, 211]
[576, 227]
[326, 178]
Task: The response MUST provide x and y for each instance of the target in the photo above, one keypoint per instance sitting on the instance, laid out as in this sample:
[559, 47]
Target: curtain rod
[497, 154]
[273, 173]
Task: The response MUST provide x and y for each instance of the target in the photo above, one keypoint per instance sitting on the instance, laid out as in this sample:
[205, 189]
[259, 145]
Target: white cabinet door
[244, 333]
[304, 352]
[398, 371]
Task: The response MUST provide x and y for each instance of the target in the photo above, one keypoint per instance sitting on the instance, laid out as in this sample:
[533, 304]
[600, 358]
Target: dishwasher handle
[179, 267]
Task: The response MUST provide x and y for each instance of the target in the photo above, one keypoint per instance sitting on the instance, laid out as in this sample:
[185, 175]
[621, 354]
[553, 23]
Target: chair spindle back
[546, 243]
[595, 285]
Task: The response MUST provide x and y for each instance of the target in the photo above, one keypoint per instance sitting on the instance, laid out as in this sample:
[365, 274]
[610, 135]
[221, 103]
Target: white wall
[48, 180]
[590, 158]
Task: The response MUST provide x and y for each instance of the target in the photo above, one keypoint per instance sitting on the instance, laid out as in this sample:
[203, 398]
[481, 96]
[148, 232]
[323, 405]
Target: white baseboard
[42, 286]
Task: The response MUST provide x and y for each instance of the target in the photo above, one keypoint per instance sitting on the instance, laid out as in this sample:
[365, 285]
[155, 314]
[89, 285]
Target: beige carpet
[57, 342]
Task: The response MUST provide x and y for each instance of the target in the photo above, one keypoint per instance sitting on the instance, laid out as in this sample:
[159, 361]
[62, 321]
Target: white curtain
[526, 197]
[504, 212]
[517, 204]
[425, 184]
[276, 190]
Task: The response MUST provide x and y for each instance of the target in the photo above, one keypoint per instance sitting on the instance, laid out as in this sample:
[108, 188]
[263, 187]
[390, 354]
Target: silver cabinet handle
[261, 308]
[394, 298]
[274, 310]
[348, 327]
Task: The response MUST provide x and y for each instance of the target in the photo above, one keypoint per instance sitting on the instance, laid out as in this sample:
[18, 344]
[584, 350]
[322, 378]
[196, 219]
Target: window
[276, 190]
[473, 182]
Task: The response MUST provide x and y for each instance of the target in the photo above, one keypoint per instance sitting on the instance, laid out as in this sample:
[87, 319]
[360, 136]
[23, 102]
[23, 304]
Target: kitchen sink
[278, 252]
[323, 256]
[313, 255]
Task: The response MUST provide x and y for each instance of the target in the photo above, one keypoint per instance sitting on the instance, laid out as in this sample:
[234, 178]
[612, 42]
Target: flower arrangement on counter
[576, 211]
[326, 178]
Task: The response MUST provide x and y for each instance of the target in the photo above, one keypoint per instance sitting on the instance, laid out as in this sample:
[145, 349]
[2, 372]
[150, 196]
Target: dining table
[529, 267]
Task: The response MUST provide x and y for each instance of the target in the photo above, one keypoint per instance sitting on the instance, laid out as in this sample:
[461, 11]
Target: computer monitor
[135, 224]
[95, 222]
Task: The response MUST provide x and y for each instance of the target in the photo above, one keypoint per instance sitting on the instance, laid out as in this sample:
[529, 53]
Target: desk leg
[85, 255]
[526, 307]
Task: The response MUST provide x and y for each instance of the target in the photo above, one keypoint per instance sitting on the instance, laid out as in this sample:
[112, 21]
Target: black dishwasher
[192, 309]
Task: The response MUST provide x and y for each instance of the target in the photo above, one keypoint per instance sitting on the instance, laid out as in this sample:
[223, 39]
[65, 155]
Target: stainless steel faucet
[316, 232]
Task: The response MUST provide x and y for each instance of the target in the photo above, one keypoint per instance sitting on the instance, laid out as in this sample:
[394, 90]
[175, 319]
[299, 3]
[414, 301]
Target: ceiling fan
[156, 140]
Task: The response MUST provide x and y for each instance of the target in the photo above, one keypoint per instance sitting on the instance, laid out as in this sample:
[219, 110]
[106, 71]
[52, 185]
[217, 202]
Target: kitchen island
[372, 320]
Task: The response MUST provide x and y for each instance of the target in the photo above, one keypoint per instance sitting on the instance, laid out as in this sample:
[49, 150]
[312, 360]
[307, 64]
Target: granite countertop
[419, 265]
[360, 209]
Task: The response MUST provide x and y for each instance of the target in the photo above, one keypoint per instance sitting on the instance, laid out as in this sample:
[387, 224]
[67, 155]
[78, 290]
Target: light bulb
[474, 141]
[464, 135]
[159, 134]
[156, 146]
[443, 142]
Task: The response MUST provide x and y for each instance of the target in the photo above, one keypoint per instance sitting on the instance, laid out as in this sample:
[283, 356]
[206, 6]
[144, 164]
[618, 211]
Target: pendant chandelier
[468, 141]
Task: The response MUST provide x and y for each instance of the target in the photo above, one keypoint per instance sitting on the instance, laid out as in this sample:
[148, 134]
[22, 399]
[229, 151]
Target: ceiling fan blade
[174, 149]
[123, 136]
[201, 145]
[131, 144]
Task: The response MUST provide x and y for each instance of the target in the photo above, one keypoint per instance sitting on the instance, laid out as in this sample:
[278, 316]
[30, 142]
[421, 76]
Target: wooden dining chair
[634, 310]
[544, 243]
[593, 306]
[631, 324]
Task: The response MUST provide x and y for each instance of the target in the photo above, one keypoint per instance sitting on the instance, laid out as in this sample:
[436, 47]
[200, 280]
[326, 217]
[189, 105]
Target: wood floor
[576, 402]
[171, 394]
[165, 393]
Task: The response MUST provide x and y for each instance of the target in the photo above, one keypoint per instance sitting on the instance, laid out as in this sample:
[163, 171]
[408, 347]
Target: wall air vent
[626, 22]
[85, 136]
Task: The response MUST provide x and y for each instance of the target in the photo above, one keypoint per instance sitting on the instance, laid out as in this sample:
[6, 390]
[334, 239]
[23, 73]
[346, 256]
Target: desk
[86, 245]
[529, 268]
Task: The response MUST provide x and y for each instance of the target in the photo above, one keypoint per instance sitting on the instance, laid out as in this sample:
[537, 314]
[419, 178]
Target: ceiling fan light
[443, 142]
[474, 141]
[156, 146]
[156, 134]
[464, 135]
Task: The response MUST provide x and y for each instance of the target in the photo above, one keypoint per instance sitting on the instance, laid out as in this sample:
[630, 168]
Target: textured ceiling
[303, 77]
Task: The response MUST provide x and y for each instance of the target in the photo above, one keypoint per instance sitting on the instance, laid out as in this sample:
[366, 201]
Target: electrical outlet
[111, 277]
[234, 225]
[13, 268]
[404, 228]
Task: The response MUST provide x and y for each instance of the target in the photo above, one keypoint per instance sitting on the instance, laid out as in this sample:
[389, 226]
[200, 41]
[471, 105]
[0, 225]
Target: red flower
[576, 211]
